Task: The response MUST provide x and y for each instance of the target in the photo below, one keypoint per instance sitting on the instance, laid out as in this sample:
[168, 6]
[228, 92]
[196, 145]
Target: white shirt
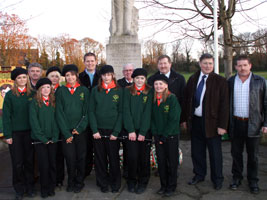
[198, 110]
[241, 97]
[167, 75]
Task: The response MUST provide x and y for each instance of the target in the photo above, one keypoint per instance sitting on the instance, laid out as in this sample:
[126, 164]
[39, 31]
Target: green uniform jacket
[43, 123]
[166, 117]
[71, 110]
[105, 110]
[15, 113]
[137, 111]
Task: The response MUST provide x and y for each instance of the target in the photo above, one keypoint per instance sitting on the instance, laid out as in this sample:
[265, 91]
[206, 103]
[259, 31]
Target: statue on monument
[124, 19]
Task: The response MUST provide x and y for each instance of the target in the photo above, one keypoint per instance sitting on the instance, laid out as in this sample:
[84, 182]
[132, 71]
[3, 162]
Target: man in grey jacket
[248, 116]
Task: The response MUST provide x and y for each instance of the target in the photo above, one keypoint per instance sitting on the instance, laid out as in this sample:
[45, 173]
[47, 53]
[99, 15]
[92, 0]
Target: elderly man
[127, 71]
[89, 78]
[35, 73]
[248, 116]
[206, 113]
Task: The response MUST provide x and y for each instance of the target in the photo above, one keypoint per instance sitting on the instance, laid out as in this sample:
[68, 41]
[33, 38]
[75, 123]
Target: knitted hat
[41, 82]
[18, 71]
[106, 69]
[52, 69]
[68, 68]
[161, 77]
[139, 72]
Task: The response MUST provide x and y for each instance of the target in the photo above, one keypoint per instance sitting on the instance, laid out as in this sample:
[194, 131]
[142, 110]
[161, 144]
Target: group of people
[85, 120]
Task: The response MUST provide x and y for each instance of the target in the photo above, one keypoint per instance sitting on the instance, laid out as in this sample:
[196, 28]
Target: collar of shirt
[200, 77]
[89, 73]
[128, 81]
[168, 74]
[238, 78]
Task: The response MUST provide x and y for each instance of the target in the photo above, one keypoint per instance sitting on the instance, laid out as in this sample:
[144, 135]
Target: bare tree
[194, 18]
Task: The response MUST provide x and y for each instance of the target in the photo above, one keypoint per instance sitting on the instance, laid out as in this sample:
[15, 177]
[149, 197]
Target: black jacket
[85, 79]
[176, 84]
[257, 105]
[123, 83]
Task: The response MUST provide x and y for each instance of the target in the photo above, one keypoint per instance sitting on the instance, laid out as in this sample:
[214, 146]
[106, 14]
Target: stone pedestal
[122, 50]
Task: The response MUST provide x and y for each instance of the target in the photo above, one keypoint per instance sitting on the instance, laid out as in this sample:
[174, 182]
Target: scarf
[46, 100]
[139, 91]
[23, 91]
[109, 86]
[72, 89]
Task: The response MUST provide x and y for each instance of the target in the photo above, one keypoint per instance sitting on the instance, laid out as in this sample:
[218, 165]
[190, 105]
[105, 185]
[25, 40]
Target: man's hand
[141, 138]
[221, 131]
[9, 141]
[184, 125]
[264, 130]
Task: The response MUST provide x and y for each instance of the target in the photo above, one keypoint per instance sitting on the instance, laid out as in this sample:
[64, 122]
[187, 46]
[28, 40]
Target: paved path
[201, 191]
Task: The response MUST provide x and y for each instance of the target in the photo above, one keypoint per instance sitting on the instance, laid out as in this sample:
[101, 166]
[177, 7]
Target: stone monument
[123, 46]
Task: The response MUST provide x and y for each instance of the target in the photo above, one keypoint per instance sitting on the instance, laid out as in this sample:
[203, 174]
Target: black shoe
[131, 188]
[78, 188]
[31, 193]
[51, 193]
[168, 193]
[59, 184]
[114, 190]
[254, 188]
[104, 189]
[217, 186]
[19, 196]
[235, 184]
[161, 191]
[44, 195]
[70, 188]
[195, 181]
[140, 190]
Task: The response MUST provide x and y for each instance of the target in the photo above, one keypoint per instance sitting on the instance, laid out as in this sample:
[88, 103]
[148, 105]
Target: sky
[90, 18]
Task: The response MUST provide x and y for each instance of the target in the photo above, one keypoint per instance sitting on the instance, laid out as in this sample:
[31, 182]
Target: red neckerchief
[159, 98]
[140, 90]
[46, 100]
[55, 87]
[72, 88]
[22, 92]
[109, 86]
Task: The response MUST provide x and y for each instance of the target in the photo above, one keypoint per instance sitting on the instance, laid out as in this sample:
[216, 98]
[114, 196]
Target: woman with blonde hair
[45, 133]
[165, 127]
[17, 132]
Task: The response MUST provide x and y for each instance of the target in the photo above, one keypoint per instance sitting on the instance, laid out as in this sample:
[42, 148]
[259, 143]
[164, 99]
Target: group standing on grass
[92, 113]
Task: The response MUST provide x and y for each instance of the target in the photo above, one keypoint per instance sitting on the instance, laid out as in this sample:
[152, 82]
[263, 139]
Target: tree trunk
[228, 60]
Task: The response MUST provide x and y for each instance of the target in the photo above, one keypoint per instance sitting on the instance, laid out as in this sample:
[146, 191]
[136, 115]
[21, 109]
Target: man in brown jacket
[206, 113]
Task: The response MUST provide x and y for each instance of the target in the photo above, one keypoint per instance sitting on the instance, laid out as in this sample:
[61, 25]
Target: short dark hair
[164, 56]
[89, 54]
[242, 57]
[206, 56]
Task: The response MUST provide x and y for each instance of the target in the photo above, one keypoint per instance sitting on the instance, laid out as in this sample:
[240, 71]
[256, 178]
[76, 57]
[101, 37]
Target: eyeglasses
[128, 70]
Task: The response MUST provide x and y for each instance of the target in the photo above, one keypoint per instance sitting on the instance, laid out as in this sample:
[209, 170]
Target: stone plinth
[122, 50]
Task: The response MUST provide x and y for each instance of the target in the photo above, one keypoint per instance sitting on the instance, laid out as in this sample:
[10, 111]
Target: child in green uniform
[54, 74]
[16, 129]
[45, 130]
[105, 116]
[71, 114]
[137, 103]
[165, 127]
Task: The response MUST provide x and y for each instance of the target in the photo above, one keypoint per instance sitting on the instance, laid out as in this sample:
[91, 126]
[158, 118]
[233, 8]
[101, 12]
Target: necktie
[199, 91]
[72, 90]
[159, 99]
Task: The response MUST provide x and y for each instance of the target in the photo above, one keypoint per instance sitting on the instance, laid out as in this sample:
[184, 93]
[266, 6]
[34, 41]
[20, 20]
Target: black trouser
[21, 151]
[239, 139]
[199, 144]
[90, 153]
[167, 157]
[138, 162]
[60, 163]
[75, 155]
[46, 157]
[107, 154]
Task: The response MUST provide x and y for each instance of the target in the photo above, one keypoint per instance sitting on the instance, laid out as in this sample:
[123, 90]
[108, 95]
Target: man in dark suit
[127, 80]
[89, 78]
[176, 80]
[127, 72]
[248, 116]
[206, 113]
